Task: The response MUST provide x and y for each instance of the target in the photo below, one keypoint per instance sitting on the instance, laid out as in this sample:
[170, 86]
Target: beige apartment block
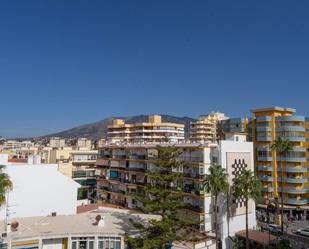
[57, 142]
[206, 128]
[152, 131]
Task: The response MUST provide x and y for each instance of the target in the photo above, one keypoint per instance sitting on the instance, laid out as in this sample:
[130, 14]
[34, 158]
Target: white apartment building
[38, 190]
[123, 167]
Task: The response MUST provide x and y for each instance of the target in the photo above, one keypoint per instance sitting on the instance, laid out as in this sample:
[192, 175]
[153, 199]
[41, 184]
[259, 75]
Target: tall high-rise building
[206, 128]
[268, 124]
[152, 131]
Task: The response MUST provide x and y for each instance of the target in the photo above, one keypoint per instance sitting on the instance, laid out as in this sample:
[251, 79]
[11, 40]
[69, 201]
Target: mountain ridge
[98, 129]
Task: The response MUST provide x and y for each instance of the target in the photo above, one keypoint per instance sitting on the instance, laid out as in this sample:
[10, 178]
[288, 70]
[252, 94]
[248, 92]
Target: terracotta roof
[259, 237]
[18, 160]
[94, 206]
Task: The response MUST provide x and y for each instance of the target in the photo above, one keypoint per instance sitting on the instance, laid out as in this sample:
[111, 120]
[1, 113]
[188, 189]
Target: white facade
[39, 190]
[232, 217]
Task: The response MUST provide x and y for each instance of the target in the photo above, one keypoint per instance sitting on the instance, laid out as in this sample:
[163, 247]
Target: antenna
[6, 212]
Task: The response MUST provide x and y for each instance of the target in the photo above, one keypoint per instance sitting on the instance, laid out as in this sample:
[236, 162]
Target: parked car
[273, 228]
[303, 232]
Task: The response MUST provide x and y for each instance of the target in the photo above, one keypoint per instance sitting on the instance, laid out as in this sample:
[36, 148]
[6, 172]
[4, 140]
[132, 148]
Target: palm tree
[5, 185]
[281, 146]
[215, 183]
[247, 186]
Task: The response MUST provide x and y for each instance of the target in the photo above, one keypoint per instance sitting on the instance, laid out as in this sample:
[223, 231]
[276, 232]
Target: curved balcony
[264, 138]
[263, 148]
[264, 158]
[295, 201]
[264, 168]
[266, 178]
[294, 180]
[294, 190]
[267, 189]
[290, 118]
[290, 128]
[292, 138]
[263, 128]
[263, 118]
[291, 159]
[298, 149]
[293, 169]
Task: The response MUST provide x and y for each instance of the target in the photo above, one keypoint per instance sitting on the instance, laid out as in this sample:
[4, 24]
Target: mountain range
[98, 129]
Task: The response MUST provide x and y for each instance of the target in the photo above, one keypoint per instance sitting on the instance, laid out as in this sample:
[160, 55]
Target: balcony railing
[293, 190]
[264, 158]
[300, 201]
[265, 168]
[266, 178]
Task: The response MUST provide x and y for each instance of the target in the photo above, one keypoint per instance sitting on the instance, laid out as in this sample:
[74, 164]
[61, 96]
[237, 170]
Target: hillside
[98, 129]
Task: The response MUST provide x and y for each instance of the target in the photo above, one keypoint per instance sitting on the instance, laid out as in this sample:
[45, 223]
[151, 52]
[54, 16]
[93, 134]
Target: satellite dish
[98, 218]
[14, 225]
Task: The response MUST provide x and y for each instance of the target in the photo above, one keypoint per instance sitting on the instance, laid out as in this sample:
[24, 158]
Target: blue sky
[66, 63]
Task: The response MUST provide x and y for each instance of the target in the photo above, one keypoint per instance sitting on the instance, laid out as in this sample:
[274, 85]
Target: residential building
[233, 126]
[83, 171]
[102, 229]
[57, 142]
[49, 191]
[123, 168]
[268, 124]
[82, 143]
[152, 131]
[206, 128]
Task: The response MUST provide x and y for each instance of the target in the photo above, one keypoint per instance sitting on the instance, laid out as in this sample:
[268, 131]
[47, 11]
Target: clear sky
[66, 63]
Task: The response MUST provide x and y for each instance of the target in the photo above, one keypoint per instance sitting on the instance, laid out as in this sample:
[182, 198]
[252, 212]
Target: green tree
[215, 183]
[161, 197]
[281, 146]
[247, 186]
[5, 185]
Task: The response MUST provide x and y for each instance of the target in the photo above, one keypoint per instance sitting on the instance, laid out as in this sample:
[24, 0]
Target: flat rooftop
[274, 108]
[116, 222]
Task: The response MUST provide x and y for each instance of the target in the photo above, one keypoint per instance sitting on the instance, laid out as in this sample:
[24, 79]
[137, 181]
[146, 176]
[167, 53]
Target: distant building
[206, 128]
[39, 190]
[152, 131]
[233, 126]
[57, 142]
[82, 143]
[83, 171]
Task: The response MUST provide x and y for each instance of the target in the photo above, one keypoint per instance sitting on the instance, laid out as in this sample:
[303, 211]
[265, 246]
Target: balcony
[290, 118]
[264, 138]
[264, 158]
[263, 118]
[295, 201]
[294, 190]
[267, 189]
[290, 128]
[263, 128]
[266, 178]
[292, 138]
[292, 159]
[263, 148]
[293, 169]
[265, 168]
[293, 180]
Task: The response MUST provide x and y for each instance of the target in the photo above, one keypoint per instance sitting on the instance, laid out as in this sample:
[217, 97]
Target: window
[82, 242]
[109, 243]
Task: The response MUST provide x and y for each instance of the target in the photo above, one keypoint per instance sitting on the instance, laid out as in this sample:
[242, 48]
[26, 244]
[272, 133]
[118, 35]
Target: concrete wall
[39, 190]
[231, 222]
